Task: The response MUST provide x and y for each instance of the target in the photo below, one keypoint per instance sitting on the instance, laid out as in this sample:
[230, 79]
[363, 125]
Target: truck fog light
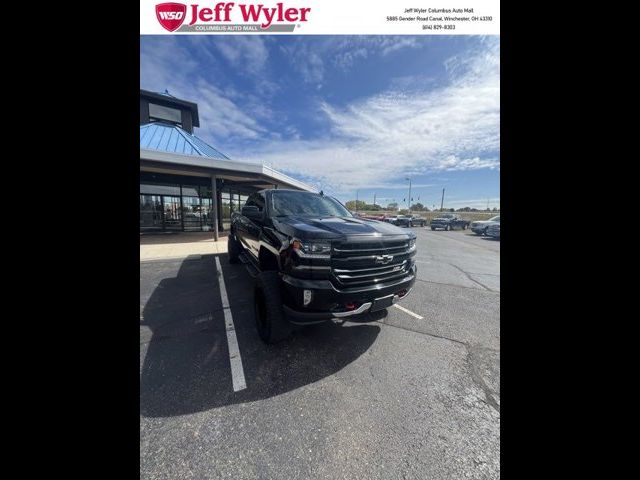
[306, 297]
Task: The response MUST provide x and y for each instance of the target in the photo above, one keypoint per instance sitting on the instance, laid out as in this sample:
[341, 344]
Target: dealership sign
[319, 17]
[172, 15]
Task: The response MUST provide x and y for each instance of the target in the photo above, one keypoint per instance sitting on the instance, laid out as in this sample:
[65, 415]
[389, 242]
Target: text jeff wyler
[221, 12]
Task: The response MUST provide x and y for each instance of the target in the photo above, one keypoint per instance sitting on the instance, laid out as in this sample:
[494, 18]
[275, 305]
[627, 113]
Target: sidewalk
[180, 245]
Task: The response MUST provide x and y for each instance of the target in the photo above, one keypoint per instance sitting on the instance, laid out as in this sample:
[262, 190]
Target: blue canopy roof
[173, 139]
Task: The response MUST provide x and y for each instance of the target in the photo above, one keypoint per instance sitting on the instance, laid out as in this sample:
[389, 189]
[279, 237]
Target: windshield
[286, 203]
[495, 219]
[446, 215]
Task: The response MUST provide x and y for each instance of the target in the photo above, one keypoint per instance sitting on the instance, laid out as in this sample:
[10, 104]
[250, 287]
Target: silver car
[480, 227]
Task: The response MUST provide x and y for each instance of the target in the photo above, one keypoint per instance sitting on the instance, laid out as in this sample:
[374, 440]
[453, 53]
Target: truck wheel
[270, 320]
[447, 227]
[433, 229]
[233, 249]
[410, 224]
[464, 227]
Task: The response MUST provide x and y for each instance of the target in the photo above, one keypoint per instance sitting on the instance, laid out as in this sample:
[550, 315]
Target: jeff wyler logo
[172, 15]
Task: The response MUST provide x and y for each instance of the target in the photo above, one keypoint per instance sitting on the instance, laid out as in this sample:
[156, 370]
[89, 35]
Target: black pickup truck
[314, 261]
[449, 221]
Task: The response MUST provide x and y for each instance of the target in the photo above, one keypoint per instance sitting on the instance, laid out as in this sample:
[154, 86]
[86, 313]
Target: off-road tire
[447, 227]
[433, 229]
[271, 322]
[233, 249]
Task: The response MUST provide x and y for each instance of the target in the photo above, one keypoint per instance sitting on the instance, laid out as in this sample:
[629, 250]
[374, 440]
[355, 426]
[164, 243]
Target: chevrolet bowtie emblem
[384, 259]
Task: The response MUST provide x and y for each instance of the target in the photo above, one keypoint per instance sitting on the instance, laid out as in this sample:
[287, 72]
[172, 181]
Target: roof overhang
[156, 160]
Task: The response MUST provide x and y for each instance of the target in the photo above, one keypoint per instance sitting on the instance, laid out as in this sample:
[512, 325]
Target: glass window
[305, 203]
[256, 200]
[172, 214]
[160, 112]
[156, 189]
[150, 212]
[189, 191]
[242, 199]
[192, 213]
[225, 207]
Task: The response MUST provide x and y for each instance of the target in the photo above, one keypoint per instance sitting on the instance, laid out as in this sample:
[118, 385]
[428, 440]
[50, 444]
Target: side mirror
[252, 212]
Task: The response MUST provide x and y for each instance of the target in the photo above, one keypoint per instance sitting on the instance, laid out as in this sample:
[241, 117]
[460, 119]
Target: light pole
[409, 199]
[442, 201]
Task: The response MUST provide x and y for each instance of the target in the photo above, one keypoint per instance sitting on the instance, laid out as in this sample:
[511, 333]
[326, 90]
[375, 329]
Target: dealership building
[183, 179]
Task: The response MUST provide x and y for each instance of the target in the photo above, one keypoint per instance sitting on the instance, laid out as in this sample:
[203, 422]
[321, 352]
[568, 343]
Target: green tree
[392, 206]
[419, 207]
[356, 205]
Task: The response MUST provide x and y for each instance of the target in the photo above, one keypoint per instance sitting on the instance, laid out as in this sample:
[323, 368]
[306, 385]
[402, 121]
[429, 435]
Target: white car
[480, 227]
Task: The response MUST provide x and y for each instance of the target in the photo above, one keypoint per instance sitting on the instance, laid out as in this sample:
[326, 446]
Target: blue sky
[346, 113]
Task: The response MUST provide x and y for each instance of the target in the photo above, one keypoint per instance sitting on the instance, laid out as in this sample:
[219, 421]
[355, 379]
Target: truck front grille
[377, 261]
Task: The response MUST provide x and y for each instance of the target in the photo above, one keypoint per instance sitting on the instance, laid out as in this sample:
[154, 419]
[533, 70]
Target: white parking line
[237, 372]
[408, 311]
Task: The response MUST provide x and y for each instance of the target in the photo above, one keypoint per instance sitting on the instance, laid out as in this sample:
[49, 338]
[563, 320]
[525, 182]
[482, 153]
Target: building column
[214, 205]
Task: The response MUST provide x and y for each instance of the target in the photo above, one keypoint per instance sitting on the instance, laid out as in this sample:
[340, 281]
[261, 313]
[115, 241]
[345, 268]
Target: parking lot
[412, 392]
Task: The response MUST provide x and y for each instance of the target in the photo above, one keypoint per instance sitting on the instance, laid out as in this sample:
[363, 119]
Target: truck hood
[335, 227]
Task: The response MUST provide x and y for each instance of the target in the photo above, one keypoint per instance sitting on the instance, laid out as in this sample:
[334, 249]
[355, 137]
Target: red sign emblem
[171, 15]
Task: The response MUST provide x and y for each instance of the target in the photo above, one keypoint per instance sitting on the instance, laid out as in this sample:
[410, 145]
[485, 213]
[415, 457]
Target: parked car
[409, 221]
[390, 218]
[380, 218]
[314, 261]
[481, 226]
[494, 230]
[401, 221]
[417, 221]
[449, 221]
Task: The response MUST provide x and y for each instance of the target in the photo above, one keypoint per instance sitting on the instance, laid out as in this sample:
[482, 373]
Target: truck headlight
[412, 244]
[312, 249]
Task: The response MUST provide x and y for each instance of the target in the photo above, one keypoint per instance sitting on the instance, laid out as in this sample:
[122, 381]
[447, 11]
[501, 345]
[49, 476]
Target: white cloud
[305, 61]
[392, 44]
[221, 116]
[454, 127]
[246, 52]
[308, 58]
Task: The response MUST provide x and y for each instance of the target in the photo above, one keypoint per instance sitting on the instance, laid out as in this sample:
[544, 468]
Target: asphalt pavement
[412, 392]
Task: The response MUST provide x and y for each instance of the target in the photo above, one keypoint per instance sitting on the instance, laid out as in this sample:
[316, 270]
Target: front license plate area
[381, 303]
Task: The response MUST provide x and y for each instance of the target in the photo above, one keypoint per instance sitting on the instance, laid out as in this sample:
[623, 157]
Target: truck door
[253, 227]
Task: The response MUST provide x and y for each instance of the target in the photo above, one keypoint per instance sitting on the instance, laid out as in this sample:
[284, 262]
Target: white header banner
[329, 17]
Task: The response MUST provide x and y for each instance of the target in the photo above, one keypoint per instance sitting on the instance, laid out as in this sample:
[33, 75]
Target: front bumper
[329, 302]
